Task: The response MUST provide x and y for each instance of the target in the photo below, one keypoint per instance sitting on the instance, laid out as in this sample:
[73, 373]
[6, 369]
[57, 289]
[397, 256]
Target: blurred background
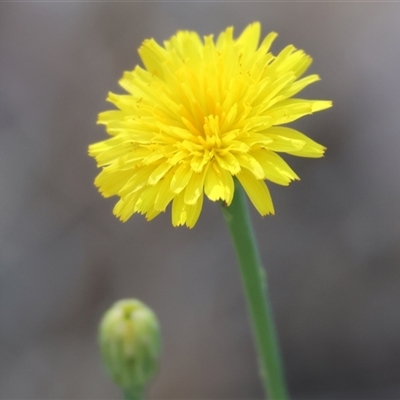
[332, 251]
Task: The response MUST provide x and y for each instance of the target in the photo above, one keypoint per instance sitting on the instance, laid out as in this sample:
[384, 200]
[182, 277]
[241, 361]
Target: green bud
[130, 343]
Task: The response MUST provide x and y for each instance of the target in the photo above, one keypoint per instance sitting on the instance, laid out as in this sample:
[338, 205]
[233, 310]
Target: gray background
[332, 251]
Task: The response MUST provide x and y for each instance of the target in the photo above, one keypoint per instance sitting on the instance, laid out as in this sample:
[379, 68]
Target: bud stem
[253, 276]
[134, 394]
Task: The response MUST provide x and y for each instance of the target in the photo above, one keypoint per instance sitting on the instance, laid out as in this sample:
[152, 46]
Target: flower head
[199, 114]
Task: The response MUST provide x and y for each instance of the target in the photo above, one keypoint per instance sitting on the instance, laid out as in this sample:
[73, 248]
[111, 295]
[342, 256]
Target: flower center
[211, 140]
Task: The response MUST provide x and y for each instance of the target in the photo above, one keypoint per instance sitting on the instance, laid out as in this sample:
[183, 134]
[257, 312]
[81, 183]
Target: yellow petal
[165, 194]
[107, 151]
[293, 142]
[110, 183]
[181, 178]
[275, 168]
[146, 200]
[178, 212]
[219, 184]
[139, 180]
[295, 87]
[292, 109]
[249, 39]
[158, 173]
[126, 206]
[152, 56]
[257, 191]
[107, 116]
[193, 212]
[250, 163]
[228, 162]
[194, 187]
[152, 213]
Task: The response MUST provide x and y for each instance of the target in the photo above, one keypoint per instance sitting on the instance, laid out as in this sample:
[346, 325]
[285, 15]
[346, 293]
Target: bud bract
[130, 343]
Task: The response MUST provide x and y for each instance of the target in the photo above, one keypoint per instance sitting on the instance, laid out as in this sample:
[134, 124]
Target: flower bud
[130, 343]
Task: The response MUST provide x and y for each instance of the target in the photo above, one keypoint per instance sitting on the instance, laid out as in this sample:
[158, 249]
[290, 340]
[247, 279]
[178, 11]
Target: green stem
[253, 276]
[134, 393]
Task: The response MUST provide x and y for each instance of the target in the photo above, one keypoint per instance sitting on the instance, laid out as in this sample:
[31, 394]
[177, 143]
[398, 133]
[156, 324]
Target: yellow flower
[199, 114]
